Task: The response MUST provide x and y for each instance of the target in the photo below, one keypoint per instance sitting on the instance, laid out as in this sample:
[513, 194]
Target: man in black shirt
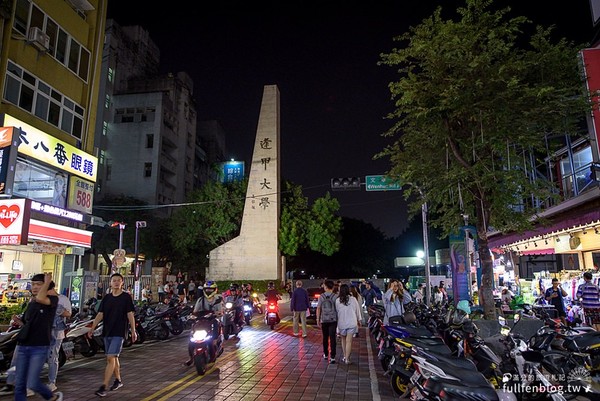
[116, 310]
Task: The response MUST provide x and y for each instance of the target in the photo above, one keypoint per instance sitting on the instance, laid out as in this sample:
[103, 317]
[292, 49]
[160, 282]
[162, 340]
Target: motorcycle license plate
[415, 377]
[68, 346]
[314, 304]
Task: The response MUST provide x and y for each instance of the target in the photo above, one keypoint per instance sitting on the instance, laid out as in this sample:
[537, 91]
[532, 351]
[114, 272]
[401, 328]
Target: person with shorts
[116, 310]
[348, 319]
[589, 295]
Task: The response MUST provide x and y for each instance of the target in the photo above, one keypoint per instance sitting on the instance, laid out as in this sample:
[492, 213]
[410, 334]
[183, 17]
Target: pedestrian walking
[299, 304]
[63, 312]
[348, 319]
[34, 339]
[181, 291]
[589, 294]
[356, 294]
[327, 321]
[419, 295]
[555, 296]
[191, 291]
[115, 311]
[161, 292]
[394, 300]
[369, 294]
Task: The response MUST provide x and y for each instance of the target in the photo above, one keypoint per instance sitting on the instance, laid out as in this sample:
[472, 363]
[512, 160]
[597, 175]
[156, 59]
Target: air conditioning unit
[39, 39]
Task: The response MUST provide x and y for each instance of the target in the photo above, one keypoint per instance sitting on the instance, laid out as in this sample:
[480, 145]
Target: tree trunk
[486, 293]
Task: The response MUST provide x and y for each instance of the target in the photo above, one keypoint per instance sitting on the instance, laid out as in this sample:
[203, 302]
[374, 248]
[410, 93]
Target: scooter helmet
[210, 289]
[409, 317]
[271, 285]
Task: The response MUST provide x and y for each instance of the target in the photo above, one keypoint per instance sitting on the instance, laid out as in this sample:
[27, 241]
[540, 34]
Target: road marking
[182, 383]
[374, 382]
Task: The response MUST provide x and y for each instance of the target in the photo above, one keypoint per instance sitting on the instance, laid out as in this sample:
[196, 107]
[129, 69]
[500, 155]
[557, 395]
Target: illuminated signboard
[56, 211]
[232, 171]
[8, 159]
[41, 146]
[81, 194]
[14, 220]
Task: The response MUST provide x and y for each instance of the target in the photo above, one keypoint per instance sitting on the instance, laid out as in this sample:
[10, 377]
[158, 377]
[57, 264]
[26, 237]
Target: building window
[150, 140]
[108, 171]
[102, 156]
[107, 101]
[29, 93]
[104, 128]
[147, 169]
[111, 74]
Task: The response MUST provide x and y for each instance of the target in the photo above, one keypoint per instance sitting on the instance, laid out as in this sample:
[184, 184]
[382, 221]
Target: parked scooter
[272, 315]
[8, 343]
[206, 341]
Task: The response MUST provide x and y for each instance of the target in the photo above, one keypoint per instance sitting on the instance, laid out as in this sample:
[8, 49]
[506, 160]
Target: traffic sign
[381, 183]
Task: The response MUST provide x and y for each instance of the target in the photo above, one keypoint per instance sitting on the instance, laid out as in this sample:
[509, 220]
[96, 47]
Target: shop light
[557, 239]
[546, 241]
[535, 244]
[596, 230]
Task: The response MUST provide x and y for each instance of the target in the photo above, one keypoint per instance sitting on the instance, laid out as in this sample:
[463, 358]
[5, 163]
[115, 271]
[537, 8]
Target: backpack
[328, 312]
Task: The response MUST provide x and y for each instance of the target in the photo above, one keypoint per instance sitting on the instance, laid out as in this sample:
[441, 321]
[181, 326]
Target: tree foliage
[474, 101]
[213, 217]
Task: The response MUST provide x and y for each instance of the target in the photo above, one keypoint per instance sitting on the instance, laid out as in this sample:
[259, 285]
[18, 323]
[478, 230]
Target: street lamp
[121, 226]
[138, 225]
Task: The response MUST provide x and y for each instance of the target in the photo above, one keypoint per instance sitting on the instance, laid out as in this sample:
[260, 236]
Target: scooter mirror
[517, 317]
[502, 320]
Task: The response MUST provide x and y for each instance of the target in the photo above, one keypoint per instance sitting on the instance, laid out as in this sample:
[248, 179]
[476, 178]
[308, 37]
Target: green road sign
[381, 183]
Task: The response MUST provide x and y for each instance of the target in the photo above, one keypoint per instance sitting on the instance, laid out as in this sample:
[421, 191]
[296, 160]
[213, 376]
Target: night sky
[323, 57]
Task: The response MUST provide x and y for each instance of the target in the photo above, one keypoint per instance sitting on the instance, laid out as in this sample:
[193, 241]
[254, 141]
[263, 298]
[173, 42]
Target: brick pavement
[259, 365]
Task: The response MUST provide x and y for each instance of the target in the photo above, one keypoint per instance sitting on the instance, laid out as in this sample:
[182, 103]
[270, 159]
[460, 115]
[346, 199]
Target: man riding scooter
[210, 301]
[272, 310]
[234, 295]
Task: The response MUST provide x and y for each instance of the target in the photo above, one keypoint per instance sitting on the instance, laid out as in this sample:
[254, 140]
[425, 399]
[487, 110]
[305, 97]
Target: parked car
[313, 297]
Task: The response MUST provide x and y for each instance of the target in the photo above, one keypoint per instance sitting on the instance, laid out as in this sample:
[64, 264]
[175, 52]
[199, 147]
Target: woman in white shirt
[349, 316]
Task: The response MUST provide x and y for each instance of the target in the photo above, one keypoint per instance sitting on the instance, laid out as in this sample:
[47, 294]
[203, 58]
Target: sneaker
[332, 361]
[7, 390]
[325, 357]
[101, 391]
[304, 336]
[295, 334]
[58, 396]
[116, 385]
[52, 387]
[30, 392]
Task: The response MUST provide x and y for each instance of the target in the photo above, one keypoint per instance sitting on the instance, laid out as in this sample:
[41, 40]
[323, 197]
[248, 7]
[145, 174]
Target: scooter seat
[430, 345]
[461, 390]
[407, 331]
[459, 362]
[586, 340]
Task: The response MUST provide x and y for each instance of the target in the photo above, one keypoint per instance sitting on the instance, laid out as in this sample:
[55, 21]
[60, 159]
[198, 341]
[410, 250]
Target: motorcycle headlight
[247, 308]
[229, 305]
[199, 335]
[254, 294]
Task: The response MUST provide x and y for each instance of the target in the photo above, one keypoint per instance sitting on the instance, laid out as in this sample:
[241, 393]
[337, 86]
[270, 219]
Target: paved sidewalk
[259, 365]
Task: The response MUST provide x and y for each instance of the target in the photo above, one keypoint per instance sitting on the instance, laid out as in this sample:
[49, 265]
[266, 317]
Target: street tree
[477, 96]
[214, 216]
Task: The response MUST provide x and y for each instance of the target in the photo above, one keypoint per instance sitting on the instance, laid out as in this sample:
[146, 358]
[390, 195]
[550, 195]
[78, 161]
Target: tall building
[50, 59]
[146, 133]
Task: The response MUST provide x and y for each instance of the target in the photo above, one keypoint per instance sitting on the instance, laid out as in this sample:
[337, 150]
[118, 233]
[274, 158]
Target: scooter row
[447, 360]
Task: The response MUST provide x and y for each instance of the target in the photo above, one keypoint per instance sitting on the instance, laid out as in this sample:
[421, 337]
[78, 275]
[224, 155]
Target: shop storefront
[46, 195]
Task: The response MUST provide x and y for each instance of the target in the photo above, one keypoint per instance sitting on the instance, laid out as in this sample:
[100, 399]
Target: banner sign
[460, 268]
[44, 147]
[8, 159]
[81, 194]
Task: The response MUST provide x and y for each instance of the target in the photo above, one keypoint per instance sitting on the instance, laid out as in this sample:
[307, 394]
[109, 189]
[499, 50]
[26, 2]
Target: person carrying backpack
[327, 321]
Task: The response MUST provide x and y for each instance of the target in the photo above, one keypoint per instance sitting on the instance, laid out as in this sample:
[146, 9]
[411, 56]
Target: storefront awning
[56, 233]
[546, 251]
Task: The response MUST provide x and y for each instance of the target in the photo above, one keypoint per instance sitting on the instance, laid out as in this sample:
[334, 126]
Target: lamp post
[121, 226]
[138, 225]
[426, 251]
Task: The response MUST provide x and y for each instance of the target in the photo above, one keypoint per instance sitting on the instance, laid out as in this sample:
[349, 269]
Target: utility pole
[426, 250]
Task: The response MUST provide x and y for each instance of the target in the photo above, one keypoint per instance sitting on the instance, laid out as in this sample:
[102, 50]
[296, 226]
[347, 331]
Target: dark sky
[323, 57]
